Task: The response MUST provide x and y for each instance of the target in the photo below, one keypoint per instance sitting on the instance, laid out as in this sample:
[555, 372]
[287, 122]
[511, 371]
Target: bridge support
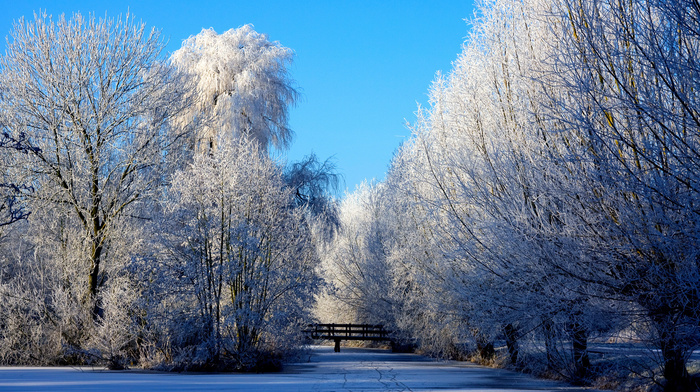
[337, 345]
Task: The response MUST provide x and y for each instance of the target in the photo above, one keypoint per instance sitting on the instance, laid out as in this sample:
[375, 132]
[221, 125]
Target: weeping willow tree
[243, 86]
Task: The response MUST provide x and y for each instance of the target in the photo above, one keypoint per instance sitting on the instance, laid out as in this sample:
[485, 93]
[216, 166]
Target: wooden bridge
[338, 332]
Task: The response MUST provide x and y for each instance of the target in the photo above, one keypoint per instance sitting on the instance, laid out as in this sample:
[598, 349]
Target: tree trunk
[548, 330]
[97, 233]
[675, 372]
[97, 311]
[485, 348]
[579, 341]
[672, 341]
[511, 333]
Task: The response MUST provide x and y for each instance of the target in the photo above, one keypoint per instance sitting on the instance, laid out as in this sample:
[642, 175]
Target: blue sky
[361, 66]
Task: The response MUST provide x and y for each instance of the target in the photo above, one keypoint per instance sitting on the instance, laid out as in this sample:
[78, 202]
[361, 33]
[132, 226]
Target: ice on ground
[352, 369]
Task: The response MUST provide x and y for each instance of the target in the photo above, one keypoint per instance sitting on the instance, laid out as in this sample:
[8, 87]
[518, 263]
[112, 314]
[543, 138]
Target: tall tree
[354, 263]
[243, 86]
[558, 164]
[95, 99]
[241, 253]
[631, 73]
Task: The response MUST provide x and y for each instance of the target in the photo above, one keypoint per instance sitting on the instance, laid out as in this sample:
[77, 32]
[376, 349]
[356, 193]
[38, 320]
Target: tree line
[547, 201]
[144, 221]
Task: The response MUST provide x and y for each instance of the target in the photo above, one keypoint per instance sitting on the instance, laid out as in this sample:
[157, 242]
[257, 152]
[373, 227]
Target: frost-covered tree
[95, 100]
[313, 183]
[554, 177]
[354, 261]
[243, 87]
[535, 190]
[631, 76]
[478, 170]
[239, 259]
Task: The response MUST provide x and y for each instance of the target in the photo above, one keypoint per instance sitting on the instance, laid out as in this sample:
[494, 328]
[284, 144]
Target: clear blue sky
[361, 66]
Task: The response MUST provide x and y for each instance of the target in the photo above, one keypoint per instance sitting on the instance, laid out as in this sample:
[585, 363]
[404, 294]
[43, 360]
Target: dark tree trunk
[675, 372]
[511, 333]
[548, 330]
[579, 341]
[97, 234]
[97, 311]
[485, 348]
[672, 341]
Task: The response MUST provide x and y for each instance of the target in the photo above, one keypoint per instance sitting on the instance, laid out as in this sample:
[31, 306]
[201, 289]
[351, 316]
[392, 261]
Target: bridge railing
[374, 332]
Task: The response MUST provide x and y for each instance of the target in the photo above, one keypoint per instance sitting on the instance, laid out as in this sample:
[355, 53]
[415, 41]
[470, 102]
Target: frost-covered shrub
[42, 322]
[114, 338]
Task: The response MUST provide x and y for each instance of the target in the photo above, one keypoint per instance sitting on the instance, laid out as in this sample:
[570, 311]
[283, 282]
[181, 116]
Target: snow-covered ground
[349, 370]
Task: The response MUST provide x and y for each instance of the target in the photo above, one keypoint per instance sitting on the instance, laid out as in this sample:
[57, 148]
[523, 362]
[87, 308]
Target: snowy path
[349, 370]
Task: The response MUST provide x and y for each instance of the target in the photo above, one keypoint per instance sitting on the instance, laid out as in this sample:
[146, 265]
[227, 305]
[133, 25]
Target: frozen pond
[349, 370]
